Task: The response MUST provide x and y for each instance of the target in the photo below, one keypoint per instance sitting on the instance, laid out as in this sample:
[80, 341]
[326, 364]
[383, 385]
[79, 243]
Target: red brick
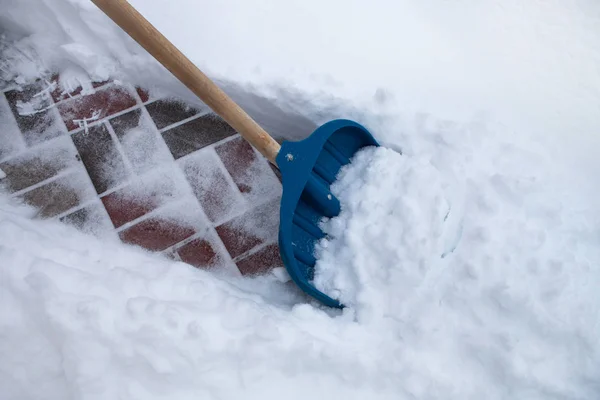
[143, 93]
[178, 147]
[218, 197]
[238, 156]
[237, 240]
[141, 196]
[215, 196]
[262, 261]
[197, 134]
[122, 209]
[58, 95]
[106, 101]
[156, 234]
[101, 158]
[250, 172]
[243, 233]
[29, 92]
[38, 165]
[199, 253]
[41, 125]
[168, 112]
[90, 219]
[58, 196]
[125, 122]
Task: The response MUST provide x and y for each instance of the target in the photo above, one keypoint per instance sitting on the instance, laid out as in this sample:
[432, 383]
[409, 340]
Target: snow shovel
[308, 167]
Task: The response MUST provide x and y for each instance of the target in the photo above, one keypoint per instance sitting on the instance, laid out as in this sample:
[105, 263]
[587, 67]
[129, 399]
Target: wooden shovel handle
[142, 31]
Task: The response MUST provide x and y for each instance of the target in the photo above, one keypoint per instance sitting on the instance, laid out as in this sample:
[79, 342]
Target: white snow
[12, 141]
[389, 233]
[495, 106]
[212, 185]
[530, 64]
[144, 148]
[513, 312]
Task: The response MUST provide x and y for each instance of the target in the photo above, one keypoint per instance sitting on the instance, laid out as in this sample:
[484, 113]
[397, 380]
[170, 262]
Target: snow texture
[161, 185]
[529, 63]
[494, 106]
[92, 219]
[166, 191]
[213, 186]
[256, 180]
[389, 233]
[144, 147]
[11, 141]
[513, 315]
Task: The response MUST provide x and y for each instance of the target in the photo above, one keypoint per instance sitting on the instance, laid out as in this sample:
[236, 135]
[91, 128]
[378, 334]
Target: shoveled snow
[390, 232]
[494, 288]
[481, 284]
[511, 313]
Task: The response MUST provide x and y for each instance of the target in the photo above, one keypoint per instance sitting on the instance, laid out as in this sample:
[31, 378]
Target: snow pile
[389, 234]
[471, 268]
[485, 233]
[93, 320]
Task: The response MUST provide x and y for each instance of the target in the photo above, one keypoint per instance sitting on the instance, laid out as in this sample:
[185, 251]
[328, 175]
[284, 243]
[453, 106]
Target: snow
[212, 185]
[96, 319]
[495, 275]
[530, 64]
[144, 148]
[389, 233]
[482, 282]
[12, 141]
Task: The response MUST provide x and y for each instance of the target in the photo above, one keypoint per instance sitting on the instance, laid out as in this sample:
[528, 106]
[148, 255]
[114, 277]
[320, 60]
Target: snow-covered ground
[495, 106]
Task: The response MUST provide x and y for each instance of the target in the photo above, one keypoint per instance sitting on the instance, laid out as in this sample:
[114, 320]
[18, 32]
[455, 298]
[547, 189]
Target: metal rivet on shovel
[316, 160]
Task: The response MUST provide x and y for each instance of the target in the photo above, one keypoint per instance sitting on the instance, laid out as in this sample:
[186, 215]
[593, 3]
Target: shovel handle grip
[142, 31]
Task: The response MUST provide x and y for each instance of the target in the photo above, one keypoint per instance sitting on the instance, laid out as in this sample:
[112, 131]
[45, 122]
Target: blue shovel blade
[308, 168]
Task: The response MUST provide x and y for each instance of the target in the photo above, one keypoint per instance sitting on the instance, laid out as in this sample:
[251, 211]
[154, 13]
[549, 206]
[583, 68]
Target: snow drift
[495, 107]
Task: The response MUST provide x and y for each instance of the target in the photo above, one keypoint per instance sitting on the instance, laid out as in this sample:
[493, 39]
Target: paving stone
[142, 145]
[200, 253]
[167, 112]
[39, 164]
[257, 226]
[224, 184]
[250, 172]
[220, 200]
[123, 209]
[103, 103]
[64, 93]
[156, 233]
[145, 194]
[143, 93]
[59, 195]
[91, 219]
[100, 157]
[261, 261]
[177, 146]
[125, 122]
[196, 134]
[32, 109]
